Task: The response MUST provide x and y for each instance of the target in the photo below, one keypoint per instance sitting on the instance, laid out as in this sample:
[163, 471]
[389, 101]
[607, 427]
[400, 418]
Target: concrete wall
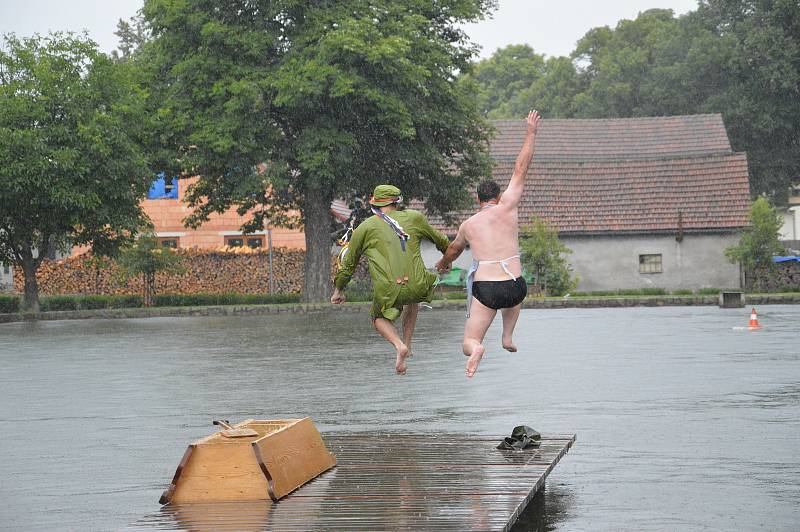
[791, 224]
[612, 262]
[609, 262]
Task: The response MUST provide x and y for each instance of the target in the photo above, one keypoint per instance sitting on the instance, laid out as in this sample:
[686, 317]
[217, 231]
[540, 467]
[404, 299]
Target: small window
[650, 264]
[163, 188]
[255, 242]
[6, 269]
[168, 242]
[234, 241]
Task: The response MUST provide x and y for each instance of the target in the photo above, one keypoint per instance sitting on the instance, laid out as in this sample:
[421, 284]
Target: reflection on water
[683, 422]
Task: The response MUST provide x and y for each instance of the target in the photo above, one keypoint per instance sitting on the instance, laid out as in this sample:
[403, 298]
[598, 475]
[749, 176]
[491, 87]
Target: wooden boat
[252, 460]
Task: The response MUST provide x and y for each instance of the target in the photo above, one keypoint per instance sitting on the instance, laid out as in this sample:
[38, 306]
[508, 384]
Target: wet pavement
[684, 422]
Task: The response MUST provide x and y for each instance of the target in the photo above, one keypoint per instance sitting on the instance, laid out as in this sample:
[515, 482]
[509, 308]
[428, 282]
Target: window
[163, 188]
[240, 241]
[6, 269]
[650, 263]
[168, 242]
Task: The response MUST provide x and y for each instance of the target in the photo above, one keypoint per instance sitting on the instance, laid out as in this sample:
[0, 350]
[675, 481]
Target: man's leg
[480, 318]
[409, 316]
[510, 317]
[386, 329]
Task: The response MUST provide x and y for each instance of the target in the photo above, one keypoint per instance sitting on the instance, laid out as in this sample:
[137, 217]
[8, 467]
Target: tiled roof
[615, 139]
[638, 195]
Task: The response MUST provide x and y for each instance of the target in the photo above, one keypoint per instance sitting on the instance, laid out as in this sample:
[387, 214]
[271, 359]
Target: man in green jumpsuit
[391, 242]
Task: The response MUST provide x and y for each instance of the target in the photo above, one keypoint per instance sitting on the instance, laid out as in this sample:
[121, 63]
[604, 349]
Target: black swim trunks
[500, 294]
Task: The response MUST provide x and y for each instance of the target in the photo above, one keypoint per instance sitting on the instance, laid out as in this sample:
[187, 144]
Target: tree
[72, 170]
[146, 257]
[281, 106]
[760, 241]
[507, 72]
[543, 254]
[760, 99]
[133, 34]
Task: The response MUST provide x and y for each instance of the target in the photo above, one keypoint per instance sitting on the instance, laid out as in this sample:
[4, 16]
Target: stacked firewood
[204, 271]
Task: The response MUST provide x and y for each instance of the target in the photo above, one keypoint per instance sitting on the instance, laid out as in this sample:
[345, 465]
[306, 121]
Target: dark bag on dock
[522, 437]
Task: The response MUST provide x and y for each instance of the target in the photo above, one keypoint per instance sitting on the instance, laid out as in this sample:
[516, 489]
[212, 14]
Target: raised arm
[513, 193]
[453, 251]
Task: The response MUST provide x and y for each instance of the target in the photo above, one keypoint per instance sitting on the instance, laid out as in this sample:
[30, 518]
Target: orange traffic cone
[753, 320]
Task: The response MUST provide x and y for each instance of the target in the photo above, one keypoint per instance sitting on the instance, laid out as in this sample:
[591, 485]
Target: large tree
[72, 170]
[281, 106]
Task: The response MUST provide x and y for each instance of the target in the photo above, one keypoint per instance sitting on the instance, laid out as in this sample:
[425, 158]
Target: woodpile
[245, 272]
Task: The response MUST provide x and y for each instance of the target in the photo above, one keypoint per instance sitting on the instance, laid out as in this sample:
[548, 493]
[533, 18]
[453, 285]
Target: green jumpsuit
[398, 277]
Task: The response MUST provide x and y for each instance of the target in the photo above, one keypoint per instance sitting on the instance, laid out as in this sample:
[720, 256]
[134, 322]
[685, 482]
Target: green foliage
[72, 168]
[90, 302]
[711, 291]
[9, 304]
[359, 290]
[337, 97]
[451, 295]
[501, 77]
[543, 255]
[761, 240]
[55, 303]
[232, 298]
[147, 257]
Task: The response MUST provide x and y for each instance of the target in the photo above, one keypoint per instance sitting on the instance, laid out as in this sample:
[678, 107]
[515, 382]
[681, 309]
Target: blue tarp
[786, 259]
[158, 190]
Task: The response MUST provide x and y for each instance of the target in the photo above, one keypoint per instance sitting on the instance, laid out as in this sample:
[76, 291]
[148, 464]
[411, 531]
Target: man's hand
[443, 266]
[533, 122]
[337, 298]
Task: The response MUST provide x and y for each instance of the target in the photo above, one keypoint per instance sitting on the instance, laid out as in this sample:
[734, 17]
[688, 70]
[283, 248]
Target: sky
[550, 27]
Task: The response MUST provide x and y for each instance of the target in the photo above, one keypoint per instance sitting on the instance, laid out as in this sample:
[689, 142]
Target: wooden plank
[392, 482]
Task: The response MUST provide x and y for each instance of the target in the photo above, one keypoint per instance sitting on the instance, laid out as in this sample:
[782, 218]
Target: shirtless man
[495, 280]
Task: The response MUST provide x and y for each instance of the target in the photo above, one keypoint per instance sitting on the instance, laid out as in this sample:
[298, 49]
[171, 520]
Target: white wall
[6, 276]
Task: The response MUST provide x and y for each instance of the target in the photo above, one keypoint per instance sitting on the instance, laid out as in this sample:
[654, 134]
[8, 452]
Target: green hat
[384, 195]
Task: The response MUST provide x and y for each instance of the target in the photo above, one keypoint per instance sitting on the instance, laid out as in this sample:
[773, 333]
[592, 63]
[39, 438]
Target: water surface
[683, 422]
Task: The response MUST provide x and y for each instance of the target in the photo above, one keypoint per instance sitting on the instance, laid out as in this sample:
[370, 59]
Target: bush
[197, 300]
[127, 301]
[451, 295]
[9, 304]
[54, 303]
[710, 291]
[359, 289]
[683, 292]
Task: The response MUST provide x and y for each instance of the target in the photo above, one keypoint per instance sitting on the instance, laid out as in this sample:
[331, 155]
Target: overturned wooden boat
[252, 460]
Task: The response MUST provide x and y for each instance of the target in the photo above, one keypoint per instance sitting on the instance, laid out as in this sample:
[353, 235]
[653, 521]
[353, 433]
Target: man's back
[493, 235]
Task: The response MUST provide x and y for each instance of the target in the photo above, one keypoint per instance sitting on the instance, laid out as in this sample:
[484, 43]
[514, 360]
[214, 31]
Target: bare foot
[400, 364]
[474, 359]
[511, 348]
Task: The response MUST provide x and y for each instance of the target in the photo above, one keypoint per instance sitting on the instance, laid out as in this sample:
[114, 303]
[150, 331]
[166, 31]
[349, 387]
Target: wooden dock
[392, 482]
